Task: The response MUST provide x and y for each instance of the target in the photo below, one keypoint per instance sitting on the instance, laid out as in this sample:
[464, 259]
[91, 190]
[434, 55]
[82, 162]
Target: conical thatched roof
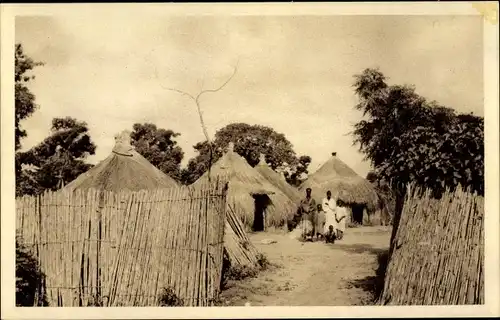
[277, 180]
[123, 169]
[343, 182]
[245, 181]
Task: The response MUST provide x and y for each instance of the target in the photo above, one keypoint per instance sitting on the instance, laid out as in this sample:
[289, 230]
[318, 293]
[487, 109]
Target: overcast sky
[295, 74]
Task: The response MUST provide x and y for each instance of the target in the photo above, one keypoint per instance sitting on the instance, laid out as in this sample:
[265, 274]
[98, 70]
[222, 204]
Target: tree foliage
[24, 99]
[249, 142]
[409, 139]
[57, 160]
[159, 147]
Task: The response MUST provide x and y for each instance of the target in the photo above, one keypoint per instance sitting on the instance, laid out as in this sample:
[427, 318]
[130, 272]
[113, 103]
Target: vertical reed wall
[123, 249]
[438, 251]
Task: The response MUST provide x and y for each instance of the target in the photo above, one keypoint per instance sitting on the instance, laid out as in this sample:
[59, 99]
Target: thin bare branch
[200, 113]
[173, 89]
[222, 86]
[180, 91]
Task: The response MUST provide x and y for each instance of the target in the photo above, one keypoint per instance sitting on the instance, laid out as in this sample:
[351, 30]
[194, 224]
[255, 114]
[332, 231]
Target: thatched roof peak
[123, 169]
[334, 154]
[122, 143]
[343, 182]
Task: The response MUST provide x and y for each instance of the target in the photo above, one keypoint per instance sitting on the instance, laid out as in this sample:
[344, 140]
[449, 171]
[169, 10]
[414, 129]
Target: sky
[295, 73]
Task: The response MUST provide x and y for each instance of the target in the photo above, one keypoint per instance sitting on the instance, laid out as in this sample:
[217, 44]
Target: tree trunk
[400, 198]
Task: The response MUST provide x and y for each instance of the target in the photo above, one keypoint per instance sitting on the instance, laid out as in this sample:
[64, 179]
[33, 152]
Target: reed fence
[438, 251]
[123, 249]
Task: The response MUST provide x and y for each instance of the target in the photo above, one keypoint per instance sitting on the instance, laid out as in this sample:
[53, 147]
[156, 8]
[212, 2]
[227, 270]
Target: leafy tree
[409, 139]
[250, 141]
[57, 160]
[158, 147]
[24, 99]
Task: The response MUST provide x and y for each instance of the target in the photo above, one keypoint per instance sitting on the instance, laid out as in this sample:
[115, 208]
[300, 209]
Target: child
[330, 235]
[340, 218]
[320, 222]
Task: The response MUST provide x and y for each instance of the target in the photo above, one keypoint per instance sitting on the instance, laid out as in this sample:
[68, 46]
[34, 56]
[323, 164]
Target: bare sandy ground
[313, 274]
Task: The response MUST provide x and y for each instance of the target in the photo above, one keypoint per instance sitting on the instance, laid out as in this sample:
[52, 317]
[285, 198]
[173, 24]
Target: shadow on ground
[359, 248]
[374, 284]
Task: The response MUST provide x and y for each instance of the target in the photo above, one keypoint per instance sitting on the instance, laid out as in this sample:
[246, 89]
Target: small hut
[253, 199]
[278, 180]
[346, 185]
[123, 169]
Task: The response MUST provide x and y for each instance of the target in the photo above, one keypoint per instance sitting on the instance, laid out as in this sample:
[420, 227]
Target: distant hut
[252, 202]
[256, 201]
[347, 185]
[278, 180]
[123, 169]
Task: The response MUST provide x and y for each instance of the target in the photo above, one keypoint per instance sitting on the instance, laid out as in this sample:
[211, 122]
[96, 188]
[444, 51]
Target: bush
[239, 272]
[30, 280]
[262, 261]
[168, 298]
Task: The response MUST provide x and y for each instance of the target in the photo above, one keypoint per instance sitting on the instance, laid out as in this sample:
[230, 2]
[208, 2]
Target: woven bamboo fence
[123, 249]
[438, 251]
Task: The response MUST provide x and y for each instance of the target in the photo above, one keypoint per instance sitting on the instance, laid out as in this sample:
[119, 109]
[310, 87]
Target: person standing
[320, 222]
[308, 212]
[340, 218]
[329, 207]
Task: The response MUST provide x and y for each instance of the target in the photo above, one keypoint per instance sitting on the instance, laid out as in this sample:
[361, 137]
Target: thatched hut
[126, 169]
[123, 169]
[256, 201]
[346, 185]
[278, 180]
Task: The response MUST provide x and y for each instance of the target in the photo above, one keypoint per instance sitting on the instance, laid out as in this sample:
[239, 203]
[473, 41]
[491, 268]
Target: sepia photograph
[244, 159]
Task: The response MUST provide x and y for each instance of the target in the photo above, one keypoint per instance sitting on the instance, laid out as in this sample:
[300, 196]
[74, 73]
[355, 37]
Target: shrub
[262, 261]
[168, 298]
[239, 272]
[30, 280]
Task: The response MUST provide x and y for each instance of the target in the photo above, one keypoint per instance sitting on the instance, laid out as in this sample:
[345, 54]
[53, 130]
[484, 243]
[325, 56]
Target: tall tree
[159, 147]
[24, 99]
[409, 139]
[58, 159]
[250, 141]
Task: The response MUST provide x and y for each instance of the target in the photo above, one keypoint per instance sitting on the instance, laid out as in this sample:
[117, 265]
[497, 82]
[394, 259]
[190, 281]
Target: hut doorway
[357, 213]
[259, 219]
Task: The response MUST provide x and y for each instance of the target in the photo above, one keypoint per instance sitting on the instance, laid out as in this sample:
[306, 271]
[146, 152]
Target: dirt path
[313, 274]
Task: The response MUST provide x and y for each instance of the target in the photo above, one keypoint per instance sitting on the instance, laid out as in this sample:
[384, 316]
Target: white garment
[329, 206]
[341, 212]
[302, 228]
